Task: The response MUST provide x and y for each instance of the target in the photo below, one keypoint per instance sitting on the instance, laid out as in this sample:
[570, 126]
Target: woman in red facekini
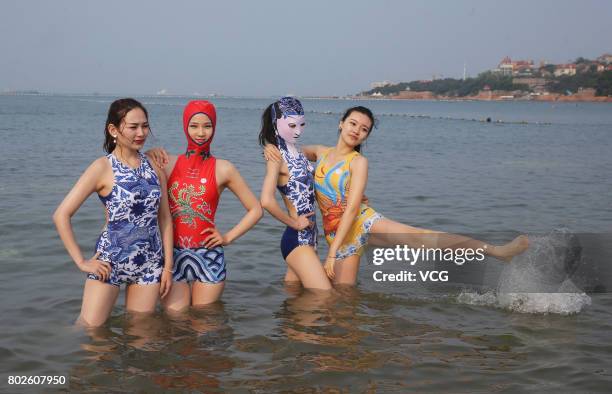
[196, 180]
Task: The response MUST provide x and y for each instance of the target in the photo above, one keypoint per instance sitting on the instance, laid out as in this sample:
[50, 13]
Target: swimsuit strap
[352, 155]
[326, 153]
[323, 158]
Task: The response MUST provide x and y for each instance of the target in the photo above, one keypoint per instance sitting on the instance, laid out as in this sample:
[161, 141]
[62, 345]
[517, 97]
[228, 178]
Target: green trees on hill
[601, 82]
[454, 87]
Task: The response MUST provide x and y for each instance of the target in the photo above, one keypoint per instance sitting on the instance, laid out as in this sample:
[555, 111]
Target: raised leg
[387, 232]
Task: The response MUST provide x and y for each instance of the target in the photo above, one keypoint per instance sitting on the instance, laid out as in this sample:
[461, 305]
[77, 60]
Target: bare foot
[508, 251]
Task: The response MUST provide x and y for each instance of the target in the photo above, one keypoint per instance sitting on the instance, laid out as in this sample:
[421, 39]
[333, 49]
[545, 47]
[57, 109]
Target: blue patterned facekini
[300, 186]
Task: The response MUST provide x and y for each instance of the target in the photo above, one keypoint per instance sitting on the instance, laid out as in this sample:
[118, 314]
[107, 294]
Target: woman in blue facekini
[282, 124]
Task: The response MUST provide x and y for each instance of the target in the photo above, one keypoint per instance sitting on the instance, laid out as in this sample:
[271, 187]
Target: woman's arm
[165, 226]
[268, 200]
[359, 179]
[91, 181]
[313, 152]
[234, 181]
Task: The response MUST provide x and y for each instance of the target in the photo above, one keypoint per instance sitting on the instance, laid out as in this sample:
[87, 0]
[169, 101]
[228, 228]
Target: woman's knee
[140, 309]
[307, 266]
[179, 298]
[174, 309]
[206, 301]
[291, 276]
[346, 271]
[206, 293]
[91, 320]
[98, 301]
[176, 304]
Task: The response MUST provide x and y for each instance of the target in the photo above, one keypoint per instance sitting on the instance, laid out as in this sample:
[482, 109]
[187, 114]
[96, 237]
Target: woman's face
[355, 128]
[133, 131]
[200, 128]
[290, 127]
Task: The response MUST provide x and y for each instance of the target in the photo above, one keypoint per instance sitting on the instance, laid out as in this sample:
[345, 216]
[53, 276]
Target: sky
[269, 48]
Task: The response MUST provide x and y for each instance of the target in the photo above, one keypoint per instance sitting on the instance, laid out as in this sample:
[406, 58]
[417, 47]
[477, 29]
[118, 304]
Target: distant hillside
[601, 82]
[452, 87]
[585, 74]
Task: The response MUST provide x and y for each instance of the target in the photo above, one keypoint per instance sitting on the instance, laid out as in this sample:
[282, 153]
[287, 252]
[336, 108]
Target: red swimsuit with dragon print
[192, 186]
[193, 199]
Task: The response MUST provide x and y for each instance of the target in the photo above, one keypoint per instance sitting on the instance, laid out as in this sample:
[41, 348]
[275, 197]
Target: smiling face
[200, 128]
[133, 131]
[355, 128]
[290, 127]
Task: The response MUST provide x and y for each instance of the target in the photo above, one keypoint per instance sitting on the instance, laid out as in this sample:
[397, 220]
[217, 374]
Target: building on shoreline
[564, 69]
[515, 68]
[606, 58]
[581, 80]
[381, 84]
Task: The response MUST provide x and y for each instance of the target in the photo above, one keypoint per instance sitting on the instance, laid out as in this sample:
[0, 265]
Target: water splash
[539, 280]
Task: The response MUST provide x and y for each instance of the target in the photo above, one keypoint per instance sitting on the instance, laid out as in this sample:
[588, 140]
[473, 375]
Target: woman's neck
[126, 155]
[342, 148]
[292, 149]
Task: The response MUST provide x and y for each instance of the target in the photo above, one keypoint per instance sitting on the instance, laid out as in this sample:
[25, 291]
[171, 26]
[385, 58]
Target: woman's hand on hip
[303, 222]
[214, 238]
[100, 268]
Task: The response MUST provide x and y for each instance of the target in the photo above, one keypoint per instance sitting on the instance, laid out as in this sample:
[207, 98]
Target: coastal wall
[584, 95]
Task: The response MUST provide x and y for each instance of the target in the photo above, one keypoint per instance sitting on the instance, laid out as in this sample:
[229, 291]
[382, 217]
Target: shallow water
[431, 164]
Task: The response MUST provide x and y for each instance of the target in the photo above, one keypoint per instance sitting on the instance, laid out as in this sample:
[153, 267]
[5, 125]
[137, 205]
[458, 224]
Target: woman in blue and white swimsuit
[129, 250]
[282, 124]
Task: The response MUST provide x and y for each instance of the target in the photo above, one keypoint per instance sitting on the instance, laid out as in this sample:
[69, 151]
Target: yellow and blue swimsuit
[331, 191]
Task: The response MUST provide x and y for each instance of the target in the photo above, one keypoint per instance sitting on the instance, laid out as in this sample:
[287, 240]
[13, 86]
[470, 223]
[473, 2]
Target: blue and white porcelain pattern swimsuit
[300, 191]
[131, 240]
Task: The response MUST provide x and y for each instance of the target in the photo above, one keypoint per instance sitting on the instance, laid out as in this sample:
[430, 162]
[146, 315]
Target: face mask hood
[286, 111]
[193, 108]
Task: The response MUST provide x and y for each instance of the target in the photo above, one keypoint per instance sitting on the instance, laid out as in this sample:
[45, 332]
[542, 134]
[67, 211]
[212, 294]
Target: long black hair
[362, 110]
[116, 112]
[267, 135]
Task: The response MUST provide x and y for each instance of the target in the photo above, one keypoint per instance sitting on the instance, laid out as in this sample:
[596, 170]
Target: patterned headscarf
[287, 106]
[193, 108]
[285, 111]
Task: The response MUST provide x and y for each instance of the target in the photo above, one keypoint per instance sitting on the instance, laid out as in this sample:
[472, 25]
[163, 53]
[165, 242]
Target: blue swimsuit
[131, 241]
[300, 191]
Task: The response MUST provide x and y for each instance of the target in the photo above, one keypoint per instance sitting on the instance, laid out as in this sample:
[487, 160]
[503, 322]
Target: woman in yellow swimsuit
[340, 179]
